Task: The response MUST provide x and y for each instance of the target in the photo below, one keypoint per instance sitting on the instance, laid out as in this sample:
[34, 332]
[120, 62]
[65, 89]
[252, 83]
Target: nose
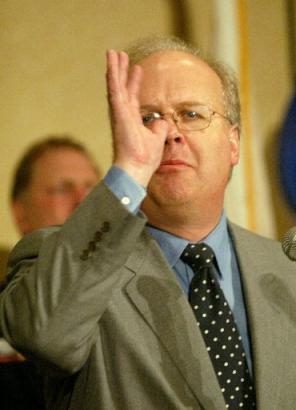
[174, 135]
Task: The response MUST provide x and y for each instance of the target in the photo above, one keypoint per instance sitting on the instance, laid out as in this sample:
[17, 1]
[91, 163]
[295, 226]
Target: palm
[136, 148]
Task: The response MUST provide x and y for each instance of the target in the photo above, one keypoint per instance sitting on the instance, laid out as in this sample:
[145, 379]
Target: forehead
[170, 77]
[57, 162]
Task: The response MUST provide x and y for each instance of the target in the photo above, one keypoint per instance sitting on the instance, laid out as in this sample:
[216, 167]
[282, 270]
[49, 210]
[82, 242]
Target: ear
[234, 140]
[19, 211]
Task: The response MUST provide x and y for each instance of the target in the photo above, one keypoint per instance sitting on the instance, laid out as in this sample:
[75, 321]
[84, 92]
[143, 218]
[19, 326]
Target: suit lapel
[266, 322]
[162, 303]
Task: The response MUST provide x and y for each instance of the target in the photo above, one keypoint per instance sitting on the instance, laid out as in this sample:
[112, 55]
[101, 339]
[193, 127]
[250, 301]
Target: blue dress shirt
[131, 194]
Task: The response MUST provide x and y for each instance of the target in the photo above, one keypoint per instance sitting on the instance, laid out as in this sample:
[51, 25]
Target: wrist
[139, 172]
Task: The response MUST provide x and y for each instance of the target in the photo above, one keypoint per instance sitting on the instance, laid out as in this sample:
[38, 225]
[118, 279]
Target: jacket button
[98, 236]
[85, 254]
[92, 246]
[105, 226]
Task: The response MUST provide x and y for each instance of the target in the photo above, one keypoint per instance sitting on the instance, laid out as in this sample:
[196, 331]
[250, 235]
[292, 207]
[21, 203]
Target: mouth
[172, 165]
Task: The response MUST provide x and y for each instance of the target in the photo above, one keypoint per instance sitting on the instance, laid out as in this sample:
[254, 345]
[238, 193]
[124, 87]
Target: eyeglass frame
[176, 117]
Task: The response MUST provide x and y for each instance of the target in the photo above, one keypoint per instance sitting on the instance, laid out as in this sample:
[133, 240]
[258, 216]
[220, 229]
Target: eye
[191, 115]
[60, 189]
[150, 117]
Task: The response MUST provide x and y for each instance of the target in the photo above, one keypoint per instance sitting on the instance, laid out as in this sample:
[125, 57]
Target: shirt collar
[218, 239]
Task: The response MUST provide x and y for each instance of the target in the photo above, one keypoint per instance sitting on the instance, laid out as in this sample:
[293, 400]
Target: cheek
[53, 212]
[215, 161]
[49, 207]
[61, 206]
[227, 150]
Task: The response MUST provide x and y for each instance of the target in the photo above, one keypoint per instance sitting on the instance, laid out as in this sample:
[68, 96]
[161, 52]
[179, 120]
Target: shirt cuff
[125, 188]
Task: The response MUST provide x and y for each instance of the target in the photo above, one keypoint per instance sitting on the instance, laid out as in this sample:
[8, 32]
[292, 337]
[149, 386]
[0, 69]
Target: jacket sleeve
[61, 279]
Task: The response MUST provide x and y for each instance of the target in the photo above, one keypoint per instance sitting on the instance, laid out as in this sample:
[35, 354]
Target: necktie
[216, 322]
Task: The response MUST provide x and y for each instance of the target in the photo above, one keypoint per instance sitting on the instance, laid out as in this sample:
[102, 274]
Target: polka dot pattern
[219, 330]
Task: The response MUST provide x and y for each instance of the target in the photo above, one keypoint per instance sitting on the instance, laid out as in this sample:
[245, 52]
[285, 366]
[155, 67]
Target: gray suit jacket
[103, 313]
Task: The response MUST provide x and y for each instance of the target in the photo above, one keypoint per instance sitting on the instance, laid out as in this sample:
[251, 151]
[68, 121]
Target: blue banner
[287, 155]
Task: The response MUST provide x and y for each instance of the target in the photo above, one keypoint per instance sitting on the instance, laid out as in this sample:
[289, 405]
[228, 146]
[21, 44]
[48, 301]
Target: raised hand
[137, 150]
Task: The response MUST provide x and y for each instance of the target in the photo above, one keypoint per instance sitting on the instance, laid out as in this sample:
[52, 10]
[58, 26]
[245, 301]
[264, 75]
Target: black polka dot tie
[216, 322]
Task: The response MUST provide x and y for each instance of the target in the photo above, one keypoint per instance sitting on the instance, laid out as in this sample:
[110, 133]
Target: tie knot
[198, 255]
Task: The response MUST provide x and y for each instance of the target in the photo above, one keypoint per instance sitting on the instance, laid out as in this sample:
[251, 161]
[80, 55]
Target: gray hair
[144, 47]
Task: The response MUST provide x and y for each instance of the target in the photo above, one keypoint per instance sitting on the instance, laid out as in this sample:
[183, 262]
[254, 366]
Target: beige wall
[52, 73]
[53, 63]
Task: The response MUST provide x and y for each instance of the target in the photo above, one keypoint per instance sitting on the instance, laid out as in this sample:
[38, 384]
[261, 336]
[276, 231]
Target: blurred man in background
[53, 176]
[50, 180]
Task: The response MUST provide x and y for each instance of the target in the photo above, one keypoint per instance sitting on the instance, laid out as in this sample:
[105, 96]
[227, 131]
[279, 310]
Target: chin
[172, 192]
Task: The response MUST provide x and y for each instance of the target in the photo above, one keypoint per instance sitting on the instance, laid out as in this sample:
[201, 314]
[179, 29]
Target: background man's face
[61, 179]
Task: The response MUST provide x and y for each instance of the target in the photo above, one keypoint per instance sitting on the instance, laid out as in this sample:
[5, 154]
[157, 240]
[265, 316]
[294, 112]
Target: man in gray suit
[102, 302]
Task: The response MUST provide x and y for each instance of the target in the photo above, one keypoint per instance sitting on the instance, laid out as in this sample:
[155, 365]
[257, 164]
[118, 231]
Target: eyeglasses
[193, 119]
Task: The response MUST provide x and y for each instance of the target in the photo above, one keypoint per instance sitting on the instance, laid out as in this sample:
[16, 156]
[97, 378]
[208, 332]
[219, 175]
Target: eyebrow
[182, 104]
